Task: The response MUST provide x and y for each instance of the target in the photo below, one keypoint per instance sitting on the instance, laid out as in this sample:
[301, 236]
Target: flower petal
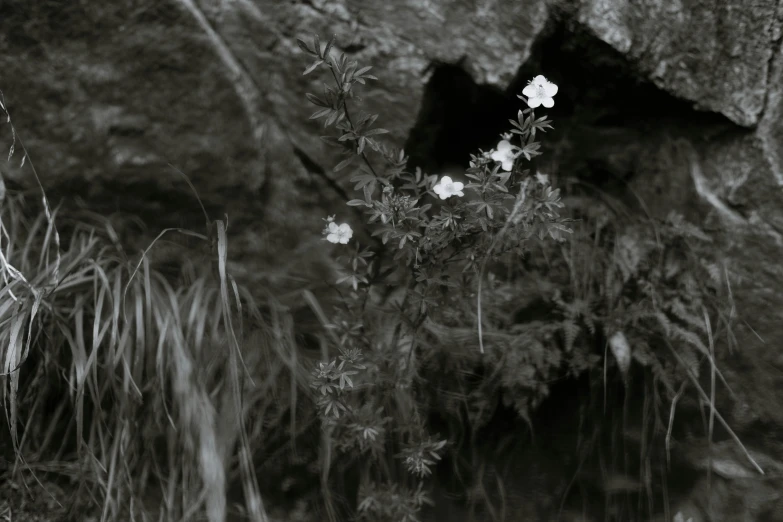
[529, 91]
[459, 193]
[508, 165]
[333, 228]
[548, 102]
[550, 89]
[438, 189]
[332, 238]
[540, 80]
[534, 102]
[458, 185]
[504, 146]
[446, 180]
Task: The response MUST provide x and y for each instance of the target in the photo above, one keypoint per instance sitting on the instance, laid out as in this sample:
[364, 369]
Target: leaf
[344, 163]
[320, 113]
[329, 46]
[338, 65]
[333, 117]
[375, 132]
[312, 67]
[363, 180]
[368, 190]
[302, 45]
[358, 203]
[531, 150]
[316, 100]
[317, 45]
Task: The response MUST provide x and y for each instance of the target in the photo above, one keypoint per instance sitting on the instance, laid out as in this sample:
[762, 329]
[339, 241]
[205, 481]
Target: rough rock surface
[106, 96]
[716, 54]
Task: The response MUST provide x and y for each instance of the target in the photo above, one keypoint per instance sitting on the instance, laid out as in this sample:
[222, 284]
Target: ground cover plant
[460, 301]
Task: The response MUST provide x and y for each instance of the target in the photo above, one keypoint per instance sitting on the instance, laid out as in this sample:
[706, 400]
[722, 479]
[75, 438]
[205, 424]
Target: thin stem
[348, 114]
[517, 207]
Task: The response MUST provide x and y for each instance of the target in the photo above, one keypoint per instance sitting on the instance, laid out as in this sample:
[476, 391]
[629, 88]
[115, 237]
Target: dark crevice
[604, 112]
[456, 117]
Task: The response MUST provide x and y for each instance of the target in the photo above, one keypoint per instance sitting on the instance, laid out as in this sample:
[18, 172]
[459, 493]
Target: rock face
[683, 99]
[715, 54]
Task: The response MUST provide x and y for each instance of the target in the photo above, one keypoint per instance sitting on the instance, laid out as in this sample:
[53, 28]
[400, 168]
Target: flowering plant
[440, 246]
[423, 251]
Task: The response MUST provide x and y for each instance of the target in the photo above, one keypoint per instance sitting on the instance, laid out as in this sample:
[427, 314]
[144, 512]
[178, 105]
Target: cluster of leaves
[392, 504]
[650, 291]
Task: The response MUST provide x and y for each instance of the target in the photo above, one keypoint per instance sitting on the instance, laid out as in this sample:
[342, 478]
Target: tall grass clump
[123, 379]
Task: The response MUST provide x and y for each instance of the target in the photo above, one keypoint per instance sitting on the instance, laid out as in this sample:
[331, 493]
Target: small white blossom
[338, 233]
[542, 178]
[447, 187]
[540, 91]
[505, 154]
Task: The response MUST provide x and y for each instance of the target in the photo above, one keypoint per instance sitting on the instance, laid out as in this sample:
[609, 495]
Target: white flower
[542, 178]
[540, 91]
[338, 233]
[446, 188]
[505, 154]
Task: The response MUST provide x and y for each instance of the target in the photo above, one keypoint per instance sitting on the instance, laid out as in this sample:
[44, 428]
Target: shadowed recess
[604, 110]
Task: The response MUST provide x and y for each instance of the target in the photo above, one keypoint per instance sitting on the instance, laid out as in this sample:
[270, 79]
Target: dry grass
[108, 367]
